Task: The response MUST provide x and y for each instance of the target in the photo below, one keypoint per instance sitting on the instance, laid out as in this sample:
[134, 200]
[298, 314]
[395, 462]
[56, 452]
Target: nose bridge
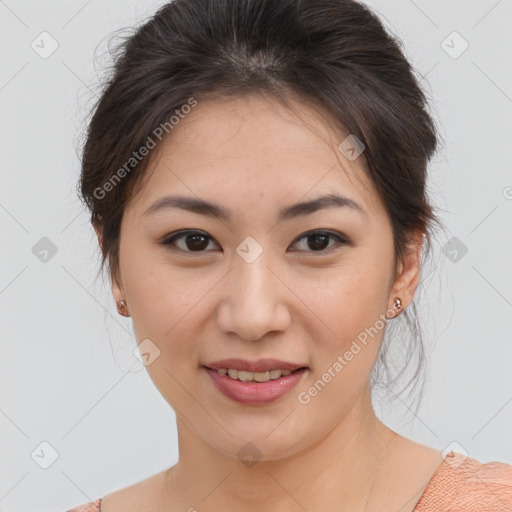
[253, 303]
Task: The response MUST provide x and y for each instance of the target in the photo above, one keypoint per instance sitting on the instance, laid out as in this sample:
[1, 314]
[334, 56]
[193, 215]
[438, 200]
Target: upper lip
[261, 365]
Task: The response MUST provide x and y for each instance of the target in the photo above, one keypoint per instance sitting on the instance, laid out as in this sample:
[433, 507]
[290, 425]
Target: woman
[255, 172]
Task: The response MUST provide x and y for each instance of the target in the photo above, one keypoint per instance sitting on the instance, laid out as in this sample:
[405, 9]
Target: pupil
[196, 242]
[317, 240]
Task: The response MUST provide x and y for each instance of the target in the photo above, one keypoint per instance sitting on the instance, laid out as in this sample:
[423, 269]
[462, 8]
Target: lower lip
[255, 393]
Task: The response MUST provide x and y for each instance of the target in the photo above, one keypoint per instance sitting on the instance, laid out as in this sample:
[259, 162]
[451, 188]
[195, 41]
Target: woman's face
[254, 283]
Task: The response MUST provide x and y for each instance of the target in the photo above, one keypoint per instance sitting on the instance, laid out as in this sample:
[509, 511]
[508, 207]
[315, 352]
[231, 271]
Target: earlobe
[122, 308]
[121, 303]
[117, 292]
[407, 281]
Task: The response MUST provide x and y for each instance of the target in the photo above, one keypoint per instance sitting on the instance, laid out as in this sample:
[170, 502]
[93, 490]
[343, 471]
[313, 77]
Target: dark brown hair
[334, 53]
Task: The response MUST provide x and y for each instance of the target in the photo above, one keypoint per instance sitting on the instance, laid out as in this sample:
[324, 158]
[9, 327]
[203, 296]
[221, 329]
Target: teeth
[275, 374]
[253, 376]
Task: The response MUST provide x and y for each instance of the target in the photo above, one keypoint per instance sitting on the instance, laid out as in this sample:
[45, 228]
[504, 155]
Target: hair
[333, 53]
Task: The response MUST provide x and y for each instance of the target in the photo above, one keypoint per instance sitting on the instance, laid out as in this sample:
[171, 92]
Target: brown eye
[197, 241]
[318, 241]
[189, 241]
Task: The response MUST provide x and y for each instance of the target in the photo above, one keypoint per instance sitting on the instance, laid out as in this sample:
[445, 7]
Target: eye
[318, 241]
[198, 241]
[192, 241]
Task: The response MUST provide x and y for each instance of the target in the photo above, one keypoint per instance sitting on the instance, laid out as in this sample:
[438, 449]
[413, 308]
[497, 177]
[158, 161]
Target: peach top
[460, 484]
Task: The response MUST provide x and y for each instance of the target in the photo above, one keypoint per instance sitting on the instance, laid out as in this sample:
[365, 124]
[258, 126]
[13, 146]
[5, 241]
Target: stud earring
[122, 308]
[397, 306]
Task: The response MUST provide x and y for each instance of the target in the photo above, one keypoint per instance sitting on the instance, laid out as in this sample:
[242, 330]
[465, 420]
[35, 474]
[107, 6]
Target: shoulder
[93, 506]
[138, 496]
[462, 483]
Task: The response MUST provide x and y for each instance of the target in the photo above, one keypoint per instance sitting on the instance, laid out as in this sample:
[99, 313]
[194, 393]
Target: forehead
[244, 149]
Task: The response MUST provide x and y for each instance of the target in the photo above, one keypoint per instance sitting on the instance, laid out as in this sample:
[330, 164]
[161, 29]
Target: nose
[253, 300]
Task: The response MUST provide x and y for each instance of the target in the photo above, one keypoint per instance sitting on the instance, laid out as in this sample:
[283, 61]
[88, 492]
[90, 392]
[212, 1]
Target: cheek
[349, 299]
[166, 310]
[350, 325]
[167, 303]
[343, 360]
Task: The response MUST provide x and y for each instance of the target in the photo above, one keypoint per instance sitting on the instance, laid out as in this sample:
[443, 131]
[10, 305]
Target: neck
[336, 473]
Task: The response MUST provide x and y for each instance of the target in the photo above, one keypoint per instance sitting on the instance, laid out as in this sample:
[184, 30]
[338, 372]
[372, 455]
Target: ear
[407, 279]
[117, 290]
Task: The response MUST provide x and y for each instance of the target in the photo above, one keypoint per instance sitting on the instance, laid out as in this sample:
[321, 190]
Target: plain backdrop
[71, 397]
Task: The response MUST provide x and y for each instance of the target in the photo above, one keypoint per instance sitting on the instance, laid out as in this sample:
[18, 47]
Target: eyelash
[170, 239]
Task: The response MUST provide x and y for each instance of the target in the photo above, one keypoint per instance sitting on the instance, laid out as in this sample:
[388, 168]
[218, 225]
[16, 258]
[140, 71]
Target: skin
[294, 302]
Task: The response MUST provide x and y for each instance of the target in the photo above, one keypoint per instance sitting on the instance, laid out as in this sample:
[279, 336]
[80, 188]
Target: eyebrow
[203, 207]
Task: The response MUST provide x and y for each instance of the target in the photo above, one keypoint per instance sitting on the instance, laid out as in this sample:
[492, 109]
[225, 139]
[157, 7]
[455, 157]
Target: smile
[255, 388]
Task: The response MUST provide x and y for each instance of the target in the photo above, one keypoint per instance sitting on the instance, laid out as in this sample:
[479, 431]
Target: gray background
[67, 369]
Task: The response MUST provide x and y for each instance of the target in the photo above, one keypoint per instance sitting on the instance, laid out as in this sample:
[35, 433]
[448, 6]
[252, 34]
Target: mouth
[255, 388]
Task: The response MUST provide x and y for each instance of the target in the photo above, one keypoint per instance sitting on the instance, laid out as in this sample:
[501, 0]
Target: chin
[254, 447]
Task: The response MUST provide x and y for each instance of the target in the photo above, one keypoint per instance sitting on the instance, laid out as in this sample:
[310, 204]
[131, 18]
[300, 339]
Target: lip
[255, 393]
[262, 365]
